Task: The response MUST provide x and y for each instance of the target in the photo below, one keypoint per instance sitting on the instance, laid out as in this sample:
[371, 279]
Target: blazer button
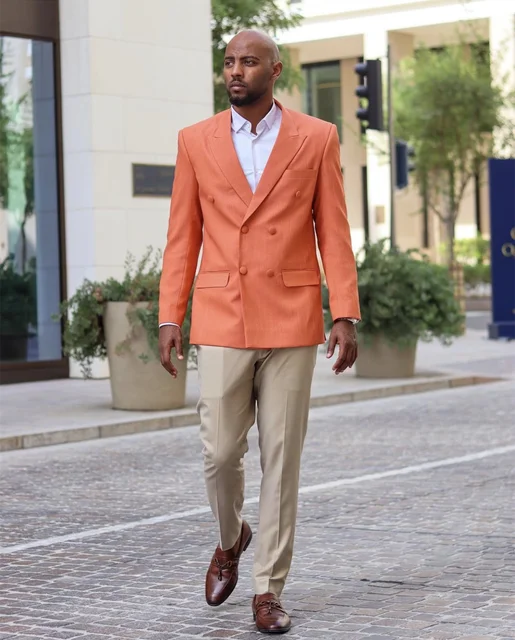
[270, 273]
[243, 271]
[272, 231]
[244, 229]
[298, 194]
[210, 198]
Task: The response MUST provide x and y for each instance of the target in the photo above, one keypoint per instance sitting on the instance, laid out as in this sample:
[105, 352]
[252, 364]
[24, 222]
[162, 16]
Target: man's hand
[170, 337]
[344, 335]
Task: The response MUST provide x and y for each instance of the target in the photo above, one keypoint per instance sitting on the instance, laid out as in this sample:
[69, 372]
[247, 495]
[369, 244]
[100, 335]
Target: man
[251, 186]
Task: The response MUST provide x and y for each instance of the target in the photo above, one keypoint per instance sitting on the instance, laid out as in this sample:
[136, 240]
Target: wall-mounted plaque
[152, 180]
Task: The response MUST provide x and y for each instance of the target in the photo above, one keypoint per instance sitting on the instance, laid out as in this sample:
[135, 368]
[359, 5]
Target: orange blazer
[258, 284]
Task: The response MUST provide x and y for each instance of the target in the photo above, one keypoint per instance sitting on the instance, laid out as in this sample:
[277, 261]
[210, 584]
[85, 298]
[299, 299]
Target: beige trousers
[232, 383]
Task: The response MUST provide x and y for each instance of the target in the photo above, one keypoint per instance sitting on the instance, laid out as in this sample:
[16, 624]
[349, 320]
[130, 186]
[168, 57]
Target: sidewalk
[60, 411]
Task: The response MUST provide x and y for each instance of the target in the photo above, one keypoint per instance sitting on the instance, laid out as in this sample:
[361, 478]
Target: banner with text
[502, 247]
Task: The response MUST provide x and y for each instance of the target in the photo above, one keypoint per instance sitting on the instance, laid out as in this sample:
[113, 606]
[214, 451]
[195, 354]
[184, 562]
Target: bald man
[256, 186]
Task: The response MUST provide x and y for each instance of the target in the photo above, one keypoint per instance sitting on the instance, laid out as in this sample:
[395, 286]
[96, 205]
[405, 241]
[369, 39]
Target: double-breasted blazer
[258, 283]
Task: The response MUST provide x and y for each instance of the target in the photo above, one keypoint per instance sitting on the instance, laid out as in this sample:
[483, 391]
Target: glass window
[29, 212]
[322, 96]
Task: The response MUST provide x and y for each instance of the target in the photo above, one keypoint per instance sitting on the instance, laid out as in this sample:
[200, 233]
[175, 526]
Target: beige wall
[132, 76]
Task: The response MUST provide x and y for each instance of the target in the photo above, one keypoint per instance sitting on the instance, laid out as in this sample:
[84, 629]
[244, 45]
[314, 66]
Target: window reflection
[322, 96]
[29, 221]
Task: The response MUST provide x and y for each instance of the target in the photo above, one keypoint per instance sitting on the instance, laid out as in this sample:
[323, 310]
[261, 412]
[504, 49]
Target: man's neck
[254, 113]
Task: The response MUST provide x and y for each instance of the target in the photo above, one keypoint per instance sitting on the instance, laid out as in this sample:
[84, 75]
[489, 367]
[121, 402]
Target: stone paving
[414, 538]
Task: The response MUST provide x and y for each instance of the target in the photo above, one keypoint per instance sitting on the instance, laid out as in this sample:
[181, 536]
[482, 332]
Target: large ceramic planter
[379, 359]
[139, 385]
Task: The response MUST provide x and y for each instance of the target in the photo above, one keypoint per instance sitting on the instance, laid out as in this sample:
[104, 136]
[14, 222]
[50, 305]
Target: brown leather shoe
[269, 614]
[222, 575]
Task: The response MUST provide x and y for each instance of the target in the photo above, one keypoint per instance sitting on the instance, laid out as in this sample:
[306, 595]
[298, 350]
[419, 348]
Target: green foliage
[472, 251]
[447, 106]
[230, 16]
[84, 337]
[18, 308]
[404, 297]
[476, 274]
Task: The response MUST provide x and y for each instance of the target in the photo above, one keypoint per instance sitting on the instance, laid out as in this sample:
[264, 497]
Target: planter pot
[379, 359]
[13, 347]
[138, 385]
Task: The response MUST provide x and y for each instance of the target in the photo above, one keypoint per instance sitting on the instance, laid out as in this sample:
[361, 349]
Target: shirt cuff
[168, 324]
[353, 320]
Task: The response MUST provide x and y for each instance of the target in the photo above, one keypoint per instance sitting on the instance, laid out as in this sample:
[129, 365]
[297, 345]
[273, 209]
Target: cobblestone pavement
[406, 530]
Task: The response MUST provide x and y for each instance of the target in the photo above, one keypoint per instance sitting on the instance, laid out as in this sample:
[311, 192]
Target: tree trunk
[450, 221]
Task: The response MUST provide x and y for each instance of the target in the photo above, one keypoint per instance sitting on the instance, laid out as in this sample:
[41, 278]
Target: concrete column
[408, 226]
[375, 46]
[131, 79]
[408, 204]
[502, 54]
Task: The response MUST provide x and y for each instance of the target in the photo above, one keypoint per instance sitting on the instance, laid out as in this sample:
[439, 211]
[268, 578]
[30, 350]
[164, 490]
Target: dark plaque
[152, 180]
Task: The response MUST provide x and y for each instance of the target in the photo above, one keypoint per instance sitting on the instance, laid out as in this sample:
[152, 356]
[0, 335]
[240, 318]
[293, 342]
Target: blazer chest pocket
[212, 280]
[300, 175]
[300, 278]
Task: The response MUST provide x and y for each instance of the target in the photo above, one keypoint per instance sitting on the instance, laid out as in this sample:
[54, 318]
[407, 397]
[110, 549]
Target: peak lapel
[287, 145]
[223, 150]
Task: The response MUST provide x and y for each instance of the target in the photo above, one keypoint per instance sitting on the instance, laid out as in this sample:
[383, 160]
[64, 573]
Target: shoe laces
[222, 566]
[271, 605]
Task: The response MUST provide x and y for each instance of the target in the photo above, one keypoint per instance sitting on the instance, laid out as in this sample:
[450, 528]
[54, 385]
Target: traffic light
[404, 163]
[371, 89]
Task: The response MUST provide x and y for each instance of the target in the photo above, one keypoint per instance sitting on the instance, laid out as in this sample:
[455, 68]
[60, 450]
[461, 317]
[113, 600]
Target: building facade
[92, 96]
[333, 37]
[93, 93]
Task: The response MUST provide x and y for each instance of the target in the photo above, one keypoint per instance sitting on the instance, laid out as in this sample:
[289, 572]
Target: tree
[447, 106]
[230, 16]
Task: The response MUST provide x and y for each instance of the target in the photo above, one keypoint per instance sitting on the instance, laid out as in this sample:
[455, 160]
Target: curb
[190, 418]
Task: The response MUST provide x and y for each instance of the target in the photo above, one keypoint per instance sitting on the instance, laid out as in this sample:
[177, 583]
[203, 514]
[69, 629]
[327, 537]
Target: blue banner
[502, 247]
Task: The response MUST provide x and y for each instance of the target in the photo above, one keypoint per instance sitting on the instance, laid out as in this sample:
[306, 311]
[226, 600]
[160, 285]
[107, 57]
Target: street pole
[391, 140]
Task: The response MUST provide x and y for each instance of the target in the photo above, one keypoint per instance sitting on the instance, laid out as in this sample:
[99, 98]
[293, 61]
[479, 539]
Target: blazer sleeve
[184, 240]
[333, 233]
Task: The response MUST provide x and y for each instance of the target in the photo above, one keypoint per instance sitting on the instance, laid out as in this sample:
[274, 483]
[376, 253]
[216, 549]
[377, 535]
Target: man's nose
[237, 70]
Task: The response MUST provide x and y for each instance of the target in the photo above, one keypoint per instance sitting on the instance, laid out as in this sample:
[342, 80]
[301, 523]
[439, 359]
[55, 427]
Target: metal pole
[391, 140]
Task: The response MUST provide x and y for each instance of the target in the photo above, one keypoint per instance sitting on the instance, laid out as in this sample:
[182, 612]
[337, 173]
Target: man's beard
[242, 101]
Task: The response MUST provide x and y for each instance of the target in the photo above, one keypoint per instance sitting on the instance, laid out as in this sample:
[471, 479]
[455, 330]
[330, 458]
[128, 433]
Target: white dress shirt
[253, 149]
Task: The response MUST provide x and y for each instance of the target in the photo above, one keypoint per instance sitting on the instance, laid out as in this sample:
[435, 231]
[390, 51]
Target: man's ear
[278, 68]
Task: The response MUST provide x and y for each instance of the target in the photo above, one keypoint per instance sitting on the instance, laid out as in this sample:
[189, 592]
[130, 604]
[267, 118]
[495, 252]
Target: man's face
[249, 71]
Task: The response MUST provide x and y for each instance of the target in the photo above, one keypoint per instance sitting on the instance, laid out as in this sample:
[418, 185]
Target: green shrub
[472, 251]
[404, 297]
[475, 274]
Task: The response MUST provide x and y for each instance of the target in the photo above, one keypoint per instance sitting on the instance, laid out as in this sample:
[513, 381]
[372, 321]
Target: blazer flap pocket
[301, 278]
[300, 174]
[211, 279]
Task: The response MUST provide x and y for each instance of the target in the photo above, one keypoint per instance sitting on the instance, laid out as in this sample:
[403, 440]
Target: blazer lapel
[224, 153]
[287, 145]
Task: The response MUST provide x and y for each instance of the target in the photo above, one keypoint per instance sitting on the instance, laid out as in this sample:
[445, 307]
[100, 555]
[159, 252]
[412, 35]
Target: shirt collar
[238, 122]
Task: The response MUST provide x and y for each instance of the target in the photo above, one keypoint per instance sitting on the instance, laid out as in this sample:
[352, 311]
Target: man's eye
[250, 63]
[228, 63]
